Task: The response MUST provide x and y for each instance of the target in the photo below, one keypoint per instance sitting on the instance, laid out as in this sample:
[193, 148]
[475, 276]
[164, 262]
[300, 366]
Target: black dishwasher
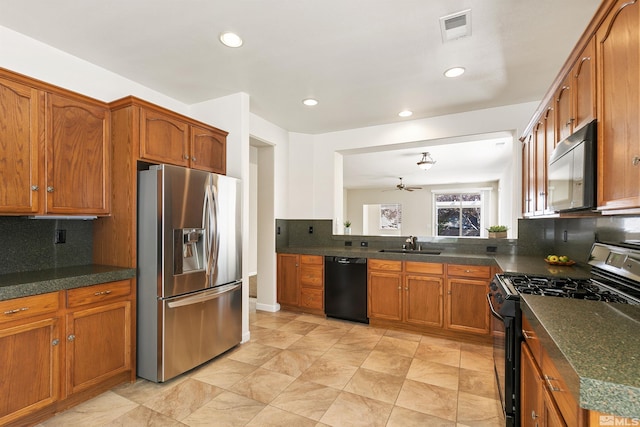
[345, 288]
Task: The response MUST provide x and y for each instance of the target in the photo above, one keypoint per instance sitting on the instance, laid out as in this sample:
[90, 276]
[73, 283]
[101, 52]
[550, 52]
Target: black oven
[506, 330]
[614, 278]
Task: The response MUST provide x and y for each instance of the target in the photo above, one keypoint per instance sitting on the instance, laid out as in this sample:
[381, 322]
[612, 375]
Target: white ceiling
[364, 60]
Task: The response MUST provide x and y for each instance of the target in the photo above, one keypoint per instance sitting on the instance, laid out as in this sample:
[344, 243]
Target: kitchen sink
[409, 251]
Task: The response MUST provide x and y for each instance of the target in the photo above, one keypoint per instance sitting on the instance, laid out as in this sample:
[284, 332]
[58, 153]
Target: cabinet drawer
[311, 298]
[556, 386]
[531, 338]
[20, 308]
[424, 267]
[311, 259]
[380, 264]
[478, 271]
[311, 275]
[98, 293]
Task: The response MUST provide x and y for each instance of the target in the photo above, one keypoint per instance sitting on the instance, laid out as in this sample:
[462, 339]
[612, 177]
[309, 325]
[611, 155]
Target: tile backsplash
[29, 244]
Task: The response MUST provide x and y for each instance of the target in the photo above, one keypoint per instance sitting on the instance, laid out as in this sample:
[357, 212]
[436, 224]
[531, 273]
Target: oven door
[504, 334]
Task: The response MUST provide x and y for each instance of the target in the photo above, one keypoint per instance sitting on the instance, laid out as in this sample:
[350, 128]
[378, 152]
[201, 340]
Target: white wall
[252, 262]
[321, 202]
[417, 207]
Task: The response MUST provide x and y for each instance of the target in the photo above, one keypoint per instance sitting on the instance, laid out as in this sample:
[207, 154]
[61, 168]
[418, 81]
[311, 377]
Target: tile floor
[301, 370]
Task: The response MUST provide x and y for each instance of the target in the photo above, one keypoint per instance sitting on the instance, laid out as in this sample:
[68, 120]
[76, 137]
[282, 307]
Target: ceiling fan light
[426, 162]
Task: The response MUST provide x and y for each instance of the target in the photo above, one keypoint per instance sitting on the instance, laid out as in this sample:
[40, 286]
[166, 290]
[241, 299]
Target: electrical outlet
[278, 230]
[348, 243]
[364, 244]
[60, 237]
[492, 249]
[311, 229]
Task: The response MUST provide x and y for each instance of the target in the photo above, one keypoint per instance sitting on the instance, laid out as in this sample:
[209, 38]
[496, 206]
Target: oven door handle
[493, 311]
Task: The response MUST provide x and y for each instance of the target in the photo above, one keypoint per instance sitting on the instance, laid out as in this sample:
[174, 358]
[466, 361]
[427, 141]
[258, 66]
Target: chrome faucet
[411, 240]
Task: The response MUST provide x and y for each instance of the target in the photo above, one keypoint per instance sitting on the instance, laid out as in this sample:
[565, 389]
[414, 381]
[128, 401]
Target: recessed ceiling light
[310, 102]
[230, 39]
[405, 113]
[454, 72]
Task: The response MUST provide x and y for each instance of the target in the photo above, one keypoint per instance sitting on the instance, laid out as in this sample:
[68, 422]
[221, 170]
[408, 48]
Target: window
[458, 214]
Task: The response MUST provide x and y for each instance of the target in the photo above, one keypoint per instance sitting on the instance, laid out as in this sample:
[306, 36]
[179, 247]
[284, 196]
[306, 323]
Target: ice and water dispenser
[188, 251]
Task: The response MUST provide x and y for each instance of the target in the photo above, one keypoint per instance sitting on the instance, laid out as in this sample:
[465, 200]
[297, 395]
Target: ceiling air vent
[456, 25]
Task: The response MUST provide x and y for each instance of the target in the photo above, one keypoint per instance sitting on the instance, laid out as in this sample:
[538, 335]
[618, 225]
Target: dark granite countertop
[446, 256]
[536, 265]
[15, 285]
[596, 348]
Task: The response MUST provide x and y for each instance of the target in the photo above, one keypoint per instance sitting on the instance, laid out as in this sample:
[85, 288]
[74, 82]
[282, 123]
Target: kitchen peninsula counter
[521, 264]
[596, 348]
[16, 285]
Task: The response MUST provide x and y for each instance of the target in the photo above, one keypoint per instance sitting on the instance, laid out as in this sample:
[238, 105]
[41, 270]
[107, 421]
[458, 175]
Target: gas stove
[565, 287]
[615, 277]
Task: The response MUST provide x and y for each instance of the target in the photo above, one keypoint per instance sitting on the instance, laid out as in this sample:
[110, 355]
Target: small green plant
[497, 228]
[347, 223]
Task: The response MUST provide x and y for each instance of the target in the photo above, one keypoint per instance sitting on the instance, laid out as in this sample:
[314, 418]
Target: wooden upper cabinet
[166, 137]
[528, 187]
[618, 59]
[208, 149]
[21, 147]
[163, 139]
[583, 76]
[564, 111]
[78, 156]
[539, 168]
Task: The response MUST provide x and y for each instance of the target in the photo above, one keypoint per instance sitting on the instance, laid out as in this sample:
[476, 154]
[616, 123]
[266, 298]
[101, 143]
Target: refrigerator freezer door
[196, 328]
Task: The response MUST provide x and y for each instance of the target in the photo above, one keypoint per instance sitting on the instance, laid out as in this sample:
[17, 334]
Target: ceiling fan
[401, 187]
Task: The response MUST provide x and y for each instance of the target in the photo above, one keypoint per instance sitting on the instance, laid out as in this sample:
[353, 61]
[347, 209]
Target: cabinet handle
[551, 387]
[636, 160]
[102, 293]
[35, 188]
[449, 292]
[55, 342]
[534, 415]
[193, 158]
[16, 310]
[468, 271]
[49, 189]
[526, 335]
[71, 338]
[186, 156]
[399, 288]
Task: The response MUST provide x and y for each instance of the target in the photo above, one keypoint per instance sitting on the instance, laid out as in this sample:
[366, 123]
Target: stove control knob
[493, 286]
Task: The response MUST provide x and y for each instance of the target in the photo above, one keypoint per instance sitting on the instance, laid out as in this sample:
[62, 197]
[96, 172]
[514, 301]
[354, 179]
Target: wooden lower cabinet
[412, 295]
[30, 355]
[98, 334]
[467, 307]
[301, 282]
[61, 348]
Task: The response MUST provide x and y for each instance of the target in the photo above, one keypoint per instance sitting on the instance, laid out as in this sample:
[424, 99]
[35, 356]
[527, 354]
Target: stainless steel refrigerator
[189, 269]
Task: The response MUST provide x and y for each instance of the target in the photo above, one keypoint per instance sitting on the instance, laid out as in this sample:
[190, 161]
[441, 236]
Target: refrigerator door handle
[215, 231]
[208, 225]
[204, 296]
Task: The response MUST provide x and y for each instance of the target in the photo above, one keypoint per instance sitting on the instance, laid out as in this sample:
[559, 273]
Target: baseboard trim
[268, 307]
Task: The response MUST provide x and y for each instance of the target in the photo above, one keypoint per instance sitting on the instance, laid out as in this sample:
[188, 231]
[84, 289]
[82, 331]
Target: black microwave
[571, 175]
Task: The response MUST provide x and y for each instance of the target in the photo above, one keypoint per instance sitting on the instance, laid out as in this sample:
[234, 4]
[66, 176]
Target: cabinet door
[21, 150]
[540, 169]
[385, 295]
[527, 176]
[564, 113]
[288, 279]
[78, 156]
[163, 139]
[530, 391]
[423, 303]
[550, 412]
[208, 150]
[98, 344]
[618, 53]
[468, 310]
[29, 368]
[584, 83]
